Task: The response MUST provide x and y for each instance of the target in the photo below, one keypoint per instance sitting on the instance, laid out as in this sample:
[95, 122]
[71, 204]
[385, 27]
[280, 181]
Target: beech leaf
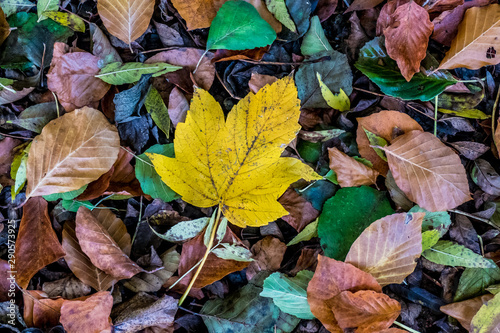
[427, 171]
[487, 319]
[464, 311]
[90, 315]
[126, 19]
[387, 249]
[350, 172]
[452, 254]
[236, 163]
[117, 73]
[85, 146]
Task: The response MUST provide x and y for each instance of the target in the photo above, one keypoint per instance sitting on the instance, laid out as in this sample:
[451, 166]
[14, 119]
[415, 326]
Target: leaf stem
[207, 252]
[435, 115]
[409, 329]
[456, 211]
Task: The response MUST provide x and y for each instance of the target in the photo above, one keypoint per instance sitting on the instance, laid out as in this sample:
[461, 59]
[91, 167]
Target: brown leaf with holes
[464, 311]
[88, 316]
[365, 311]
[383, 124]
[267, 255]
[41, 311]
[330, 279]
[428, 172]
[301, 211]
[103, 251]
[407, 37]
[72, 78]
[37, 244]
[388, 248]
[350, 172]
[214, 269]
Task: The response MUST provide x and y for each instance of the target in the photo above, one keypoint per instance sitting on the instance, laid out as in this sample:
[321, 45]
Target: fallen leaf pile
[249, 166]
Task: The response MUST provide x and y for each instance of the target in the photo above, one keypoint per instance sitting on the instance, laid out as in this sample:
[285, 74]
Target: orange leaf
[350, 172]
[407, 37]
[103, 251]
[387, 249]
[464, 311]
[365, 311]
[198, 14]
[330, 279]
[37, 244]
[427, 171]
[267, 254]
[301, 211]
[383, 124]
[40, 310]
[88, 316]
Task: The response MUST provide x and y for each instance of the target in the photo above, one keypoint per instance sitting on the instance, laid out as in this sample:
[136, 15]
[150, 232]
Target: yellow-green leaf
[467, 113]
[69, 20]
[338, 101]
[236, 164]
[487, 319]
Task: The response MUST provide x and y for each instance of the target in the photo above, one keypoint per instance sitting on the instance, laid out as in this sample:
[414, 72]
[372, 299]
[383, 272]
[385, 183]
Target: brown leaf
[267, 255]
[37, 244]
[350, 172]
[357, 38]
[464, 311]
[438, 6]
[4, 27]
[258, 81]
[7, 146]
[88, 316]
[68, 288]
[198, 14]
[103, 251]
[407, 37]
[228, 55]
[40, 310]
[187, 58]
[71, 151]
[308, 259]
[388, 248]
[330, 279]
[214, 269]
[384, 19]
[362, 5]
[72, 77]
[301, 211]
[365, 310]
[4, 281]
[427, 171]
[325, 9]
[8, 96]
[382, 124]
[126, 19]
[178, 106]
[266, 14]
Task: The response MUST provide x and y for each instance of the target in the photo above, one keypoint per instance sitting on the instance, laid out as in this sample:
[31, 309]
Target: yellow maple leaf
[236, 163]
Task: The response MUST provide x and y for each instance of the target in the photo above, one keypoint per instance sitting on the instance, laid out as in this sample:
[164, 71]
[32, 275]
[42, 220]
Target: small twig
[474, 217]
[162, 49]
[15, 136]
[199, 61]
[409, 329]
[226, 88]
[481, 244]
[257, 62]
[436, 115]
[140, 159]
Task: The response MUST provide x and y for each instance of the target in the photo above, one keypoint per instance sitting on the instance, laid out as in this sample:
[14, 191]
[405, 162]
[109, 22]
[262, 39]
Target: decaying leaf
[427, 171]
[85, 146]
[236, 164]
[387, 249]
[88, 316]
[37, 244]
[267, 254]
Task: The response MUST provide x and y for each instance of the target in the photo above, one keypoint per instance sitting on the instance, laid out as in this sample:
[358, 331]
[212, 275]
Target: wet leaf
[452, 254]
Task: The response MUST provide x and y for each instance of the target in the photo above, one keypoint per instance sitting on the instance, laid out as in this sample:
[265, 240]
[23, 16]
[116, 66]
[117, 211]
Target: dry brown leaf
[350, 172]
[476, 44]
[4, 27]
[68, 288]
[37, 244]
[198, 14]
[72, 77]
[266, 14]
[427, 171]
[308, 259]
[438, 6]
[301, 211]
[257, 81]
[8, 96]
[71, 151]
[103, 251]
[178, 106]
[214, 268]
[464, 311]
[384, 19]
[88, 316]
[4, 282]
[7, 146]
[267, 255]
[228, 55]
[365, 311]
[126, 19]
[382, 124]
[407, 37]
[40, 310]
[330, 279]
[388, 248]
[363, 5]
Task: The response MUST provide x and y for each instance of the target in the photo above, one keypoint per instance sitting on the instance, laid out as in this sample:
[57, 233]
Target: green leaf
[494, 289]
[440, 221]
[289, 294]
[346, 215]
[452, 254]
[66, 195]
[310, 231]
[210, 227]
[238, 26]
[338, 101]
[245, 311]
[332, 176]
[117, 73]
[314, 40]
[486, 319]
[429, 239]
[35, 117]
[158, 110]
[5, 83]
[73, 205]
[467, 113]
[233, 252]
[380, 68]
[45, 6]
[280, 12]
[150, 181]
[12, 6]
[70, 20]
[335, 73]
[309, 151]
[183, 230]
[376, 140]
[474, 282]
